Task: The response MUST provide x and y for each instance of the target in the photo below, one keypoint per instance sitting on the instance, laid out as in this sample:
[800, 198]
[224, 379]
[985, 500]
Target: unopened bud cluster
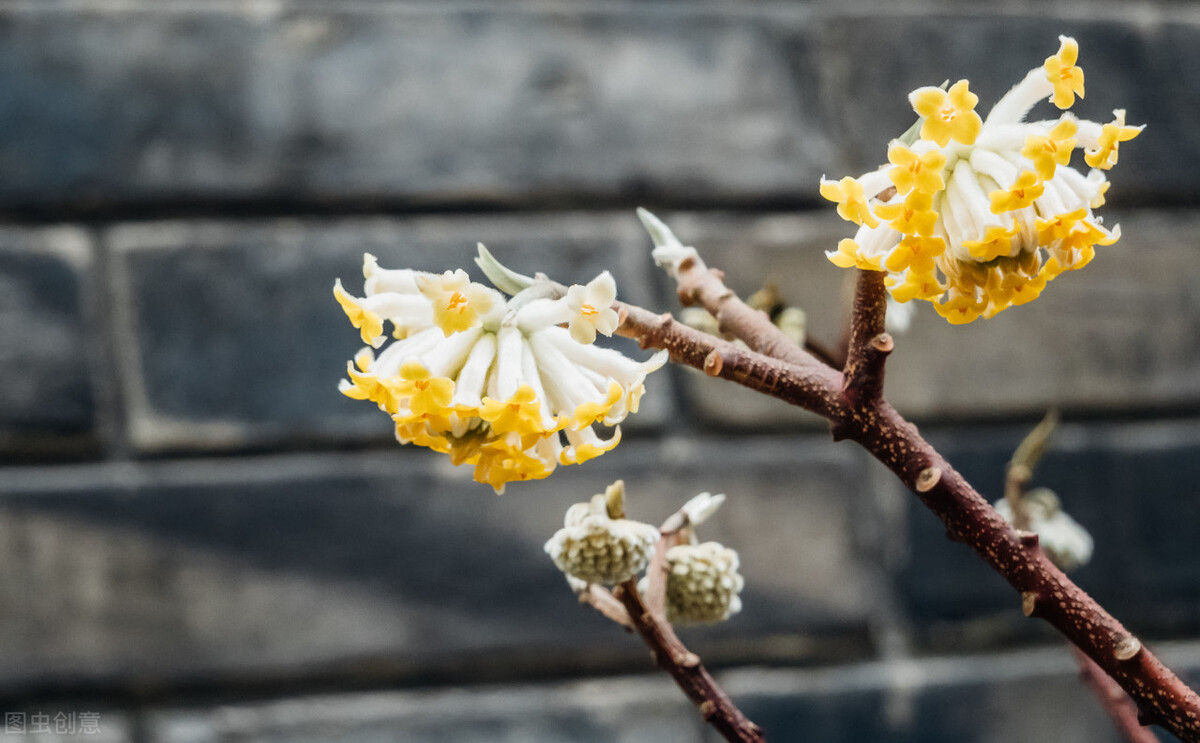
[595, 548]
[703, 583]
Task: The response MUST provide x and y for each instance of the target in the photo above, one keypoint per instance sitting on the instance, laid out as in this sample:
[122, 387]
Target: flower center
[457, 302]
[588, 311]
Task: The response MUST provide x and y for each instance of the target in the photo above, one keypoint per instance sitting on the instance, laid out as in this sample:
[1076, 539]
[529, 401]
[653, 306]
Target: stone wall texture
[201, 540]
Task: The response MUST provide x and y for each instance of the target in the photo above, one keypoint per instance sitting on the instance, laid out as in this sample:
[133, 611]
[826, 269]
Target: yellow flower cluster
[977, 215]
[493, 383]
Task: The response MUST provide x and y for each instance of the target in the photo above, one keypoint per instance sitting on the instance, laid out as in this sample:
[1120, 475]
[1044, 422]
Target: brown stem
[1117, 704]
[1046, 592]
[602, 600]
[658, 572]
[689, 673]
[699, 284]
[869, 343]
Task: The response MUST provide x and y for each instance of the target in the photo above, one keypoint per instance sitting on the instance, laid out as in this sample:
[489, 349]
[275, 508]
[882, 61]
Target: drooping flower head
[977, 215]
[597, 544]
[495, 383]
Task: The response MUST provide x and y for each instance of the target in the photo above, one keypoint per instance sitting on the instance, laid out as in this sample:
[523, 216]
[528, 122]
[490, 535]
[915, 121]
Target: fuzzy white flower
[494, 383]
[1062, 538]
[977, 215]
[595, 548]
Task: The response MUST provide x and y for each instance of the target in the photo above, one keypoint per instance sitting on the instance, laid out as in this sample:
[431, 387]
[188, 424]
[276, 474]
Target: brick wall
[201, 540]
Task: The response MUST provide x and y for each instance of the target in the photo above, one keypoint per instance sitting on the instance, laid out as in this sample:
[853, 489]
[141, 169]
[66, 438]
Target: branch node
[687, 660]
[883, 343]
[1028, 538]
[1127, 648]
[665, 319]
[1029, 600]
[713, 363]
[928, 479]
[708, 708]
[686, 264]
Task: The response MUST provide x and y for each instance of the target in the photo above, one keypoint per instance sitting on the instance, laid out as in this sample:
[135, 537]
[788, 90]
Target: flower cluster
[596, 547]
[703, 584]
[496, 383]
[977, 215]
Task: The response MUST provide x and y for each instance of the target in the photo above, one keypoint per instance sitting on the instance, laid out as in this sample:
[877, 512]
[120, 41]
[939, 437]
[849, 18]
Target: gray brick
[231, 335]
[1130, 485]
[61, 723]
[45, 335]
[359, 567]
[1030, 695]
[1120, 335]
[402, 102]
[623, 710]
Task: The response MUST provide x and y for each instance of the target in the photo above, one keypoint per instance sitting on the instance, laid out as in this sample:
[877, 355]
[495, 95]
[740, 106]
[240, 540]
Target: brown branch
[700, 285]
[869, 343]
[1117, 704]
[1047, 593]
[602, 600]
[689, 673]
[658, 571]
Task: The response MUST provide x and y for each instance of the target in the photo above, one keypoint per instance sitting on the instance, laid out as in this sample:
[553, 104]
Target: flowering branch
[685, 667]
[1162, 698]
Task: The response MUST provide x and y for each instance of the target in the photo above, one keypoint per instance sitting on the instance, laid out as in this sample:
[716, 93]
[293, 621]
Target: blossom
[595, 547]
[947, 114]
[493, 382]
[591, 308]
[975, 215]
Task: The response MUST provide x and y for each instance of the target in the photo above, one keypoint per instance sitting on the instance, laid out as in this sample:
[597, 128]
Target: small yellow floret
[847, 256]
[588, 413]
[1048, 152]
[916, 254]
[1058, 227]
[913, 216]
[1063, 74]
[851, 201]
[961, 309]
[457, 301]
[427, 394]
[1104, 155]
[1027, 188]
[916, 172]
[581, 453]
[520, 414]
[365, 320]
[948, 114]
[917, 285]
[996, 242]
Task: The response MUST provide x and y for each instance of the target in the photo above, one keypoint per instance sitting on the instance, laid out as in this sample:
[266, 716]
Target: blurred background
[201, 540]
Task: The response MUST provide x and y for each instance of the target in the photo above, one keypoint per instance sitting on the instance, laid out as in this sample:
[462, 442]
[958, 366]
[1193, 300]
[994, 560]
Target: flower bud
[595, 548]
[703, 583]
